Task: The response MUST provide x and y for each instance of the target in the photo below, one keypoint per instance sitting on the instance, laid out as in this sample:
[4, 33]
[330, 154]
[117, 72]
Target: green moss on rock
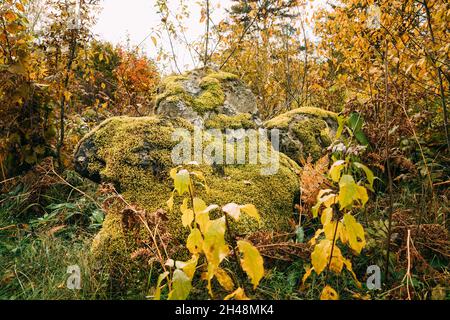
[283, 120]
[135, 155]
[221, 121]
[211, 97]
[305, 131]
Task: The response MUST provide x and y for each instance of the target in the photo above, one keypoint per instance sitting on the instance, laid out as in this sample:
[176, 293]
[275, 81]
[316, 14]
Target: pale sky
[137, 19]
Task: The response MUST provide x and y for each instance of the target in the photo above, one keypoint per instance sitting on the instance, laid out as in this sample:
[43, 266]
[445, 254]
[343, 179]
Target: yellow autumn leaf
[189, 266]
[170, 203]
[199, 205]
[320, 257]
[20, 7]
[10, 16]
[308, 272]
[348, 265]
[187, 214]
[237, 294]
[182, 181]
[161, 277]
[214, 245]
[335, 170]
[252, 262]
[202, 219]
[154, 41]
[251, 210]
[181, 286]
[194, 241]
[330, 228]
[349, 192]
[355, 233]
[224, 279]
[328, 293]
[327, 215]
[67, 95]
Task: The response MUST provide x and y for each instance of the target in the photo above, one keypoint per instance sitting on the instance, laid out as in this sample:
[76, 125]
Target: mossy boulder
[208, 98]
[305, 132]
[135, 155]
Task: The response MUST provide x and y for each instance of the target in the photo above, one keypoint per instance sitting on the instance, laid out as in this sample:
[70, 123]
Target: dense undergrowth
[48, 222]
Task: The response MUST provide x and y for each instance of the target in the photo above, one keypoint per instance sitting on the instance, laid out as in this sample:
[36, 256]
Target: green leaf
[300, 235]
[181, 286]
[355, 122]
[252, 262]
[369, 174]
[361, 137]
[161, 277]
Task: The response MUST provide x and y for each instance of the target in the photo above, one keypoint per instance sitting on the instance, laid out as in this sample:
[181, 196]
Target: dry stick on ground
[388, 163]
[408, 270]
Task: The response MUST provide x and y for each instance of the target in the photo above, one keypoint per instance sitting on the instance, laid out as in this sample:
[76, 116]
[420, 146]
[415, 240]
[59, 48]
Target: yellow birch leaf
[224, 279]
[194, 241]
[328, 293]
[355, 233]
[181, 286]
[251, 210]
[252, 262]
[237, 294]
[187, 214]
[182, 181]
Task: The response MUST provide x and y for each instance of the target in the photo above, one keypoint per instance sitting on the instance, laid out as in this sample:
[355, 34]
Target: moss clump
[211, 97]
[283, 120]
[305, 131]
[314, 135]
[172, 89]
[221, 121]
[135, 154]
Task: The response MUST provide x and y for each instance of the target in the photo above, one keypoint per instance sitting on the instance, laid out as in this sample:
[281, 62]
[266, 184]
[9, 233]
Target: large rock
[208, 98]
[135, 155]
[305, 132]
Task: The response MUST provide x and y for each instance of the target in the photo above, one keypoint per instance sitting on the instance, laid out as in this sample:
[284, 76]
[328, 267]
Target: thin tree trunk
[73, 47]
[441, 86]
